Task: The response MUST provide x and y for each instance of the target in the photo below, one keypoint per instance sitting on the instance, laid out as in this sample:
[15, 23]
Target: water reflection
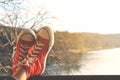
[102, 62]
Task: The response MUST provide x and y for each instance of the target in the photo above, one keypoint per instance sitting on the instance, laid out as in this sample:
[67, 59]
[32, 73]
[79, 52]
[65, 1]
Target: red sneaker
[39, 52]
[26, 39]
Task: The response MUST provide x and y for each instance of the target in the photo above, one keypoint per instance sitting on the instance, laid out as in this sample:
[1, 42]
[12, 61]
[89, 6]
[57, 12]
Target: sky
[102, 16]
[97, 16]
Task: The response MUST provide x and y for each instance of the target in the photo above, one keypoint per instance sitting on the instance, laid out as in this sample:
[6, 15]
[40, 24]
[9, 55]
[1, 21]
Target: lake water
[100, 62]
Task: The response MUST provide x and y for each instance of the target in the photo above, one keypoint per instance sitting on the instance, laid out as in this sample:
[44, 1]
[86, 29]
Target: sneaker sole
[51, 43]
[26, 31]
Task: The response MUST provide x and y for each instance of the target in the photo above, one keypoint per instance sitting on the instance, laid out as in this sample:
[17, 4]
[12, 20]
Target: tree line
[85, 41]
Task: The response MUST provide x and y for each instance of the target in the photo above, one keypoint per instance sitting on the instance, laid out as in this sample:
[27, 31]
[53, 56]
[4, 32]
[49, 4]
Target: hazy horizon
[86, 32]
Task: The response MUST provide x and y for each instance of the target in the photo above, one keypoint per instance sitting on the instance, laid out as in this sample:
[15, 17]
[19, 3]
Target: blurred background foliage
[67, 50]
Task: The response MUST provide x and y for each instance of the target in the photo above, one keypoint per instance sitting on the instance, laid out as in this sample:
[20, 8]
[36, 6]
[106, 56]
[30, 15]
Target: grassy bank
[69, 60]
